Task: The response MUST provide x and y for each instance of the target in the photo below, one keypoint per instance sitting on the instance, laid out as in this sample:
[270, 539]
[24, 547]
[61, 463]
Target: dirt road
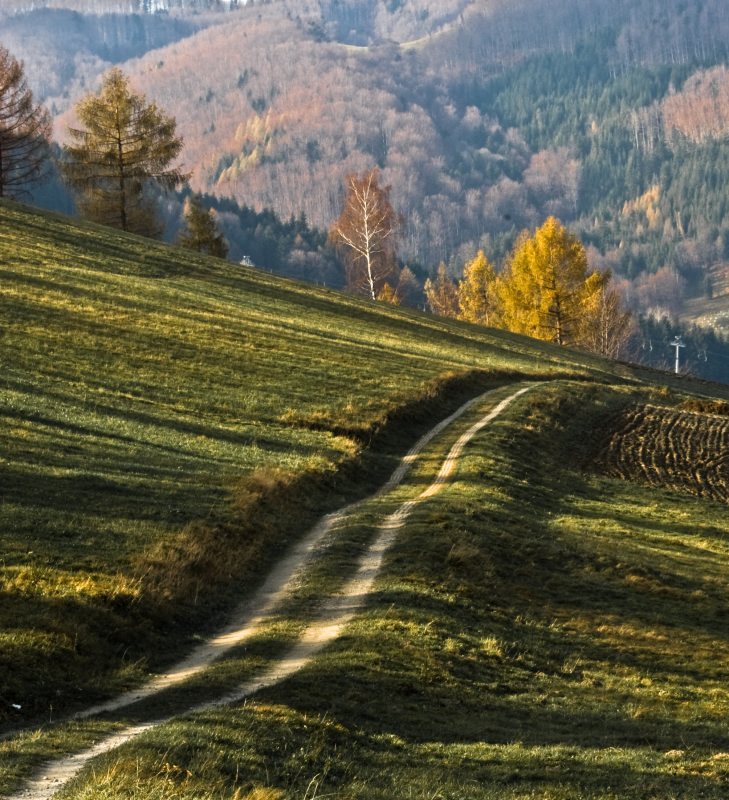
[335, 613]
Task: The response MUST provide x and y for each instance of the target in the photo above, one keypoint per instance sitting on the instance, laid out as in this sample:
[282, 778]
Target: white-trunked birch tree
[365, 233]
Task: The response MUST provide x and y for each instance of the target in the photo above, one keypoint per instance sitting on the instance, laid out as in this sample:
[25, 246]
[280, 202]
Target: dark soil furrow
[678, 450]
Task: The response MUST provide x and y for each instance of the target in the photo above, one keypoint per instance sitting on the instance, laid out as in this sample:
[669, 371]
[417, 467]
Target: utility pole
[678, 344]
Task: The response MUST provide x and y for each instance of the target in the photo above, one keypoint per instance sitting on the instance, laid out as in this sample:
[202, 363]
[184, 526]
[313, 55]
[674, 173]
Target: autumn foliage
[477, 301]
[546, 291]
[365, 235]
[122, 144]
[24, 130]
[441, 293]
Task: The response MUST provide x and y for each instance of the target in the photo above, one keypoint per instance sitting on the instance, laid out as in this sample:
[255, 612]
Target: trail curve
[335, 613]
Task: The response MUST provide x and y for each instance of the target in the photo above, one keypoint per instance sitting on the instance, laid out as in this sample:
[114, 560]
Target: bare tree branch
[365, 233]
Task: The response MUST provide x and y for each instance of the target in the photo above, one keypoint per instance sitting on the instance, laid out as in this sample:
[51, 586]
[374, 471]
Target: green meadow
[171, 423]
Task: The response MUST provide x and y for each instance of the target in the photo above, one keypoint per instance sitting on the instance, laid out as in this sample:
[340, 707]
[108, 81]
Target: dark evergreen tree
[201, 230]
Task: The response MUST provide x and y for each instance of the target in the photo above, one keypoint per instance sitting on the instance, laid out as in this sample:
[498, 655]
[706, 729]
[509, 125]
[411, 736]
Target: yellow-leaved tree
[388, 294]
[477, 299]
[546, 290]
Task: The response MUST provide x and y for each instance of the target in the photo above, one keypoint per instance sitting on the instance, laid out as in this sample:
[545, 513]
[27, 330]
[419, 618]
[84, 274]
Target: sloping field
[161, 416]
[171, 424]
[535, 631]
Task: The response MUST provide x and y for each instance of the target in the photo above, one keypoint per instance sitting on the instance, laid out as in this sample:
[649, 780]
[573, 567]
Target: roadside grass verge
[539, 632]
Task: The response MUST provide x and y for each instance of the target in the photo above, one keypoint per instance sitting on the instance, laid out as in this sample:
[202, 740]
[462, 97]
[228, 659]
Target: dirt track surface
[335, 613]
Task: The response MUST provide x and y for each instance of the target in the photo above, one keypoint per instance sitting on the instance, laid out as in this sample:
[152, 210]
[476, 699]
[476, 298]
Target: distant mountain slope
[61, 47]
[483, 117]
[116, 6]
[514, 113]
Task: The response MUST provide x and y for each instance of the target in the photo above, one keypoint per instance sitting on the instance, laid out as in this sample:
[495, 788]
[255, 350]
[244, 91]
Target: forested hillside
[484, 118]
[63, 48]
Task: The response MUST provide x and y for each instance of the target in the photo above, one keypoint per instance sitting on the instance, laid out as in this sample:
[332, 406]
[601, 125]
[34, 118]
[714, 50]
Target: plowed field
[680, 450]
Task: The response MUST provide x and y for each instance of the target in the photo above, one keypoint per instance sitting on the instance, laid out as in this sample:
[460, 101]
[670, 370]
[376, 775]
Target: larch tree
[125, 145]
[441, 294]
[365, 233]
[200, 231]
[25, 130]
[477, 299]
[546, 290]
[388, 294]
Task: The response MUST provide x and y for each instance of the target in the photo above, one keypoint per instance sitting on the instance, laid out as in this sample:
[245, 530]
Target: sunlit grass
[170, 423]
[570, 647]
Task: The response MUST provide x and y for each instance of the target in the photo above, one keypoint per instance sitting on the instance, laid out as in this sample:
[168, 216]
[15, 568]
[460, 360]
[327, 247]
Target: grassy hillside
[156, 409]
[539, 631]
[170, 423]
